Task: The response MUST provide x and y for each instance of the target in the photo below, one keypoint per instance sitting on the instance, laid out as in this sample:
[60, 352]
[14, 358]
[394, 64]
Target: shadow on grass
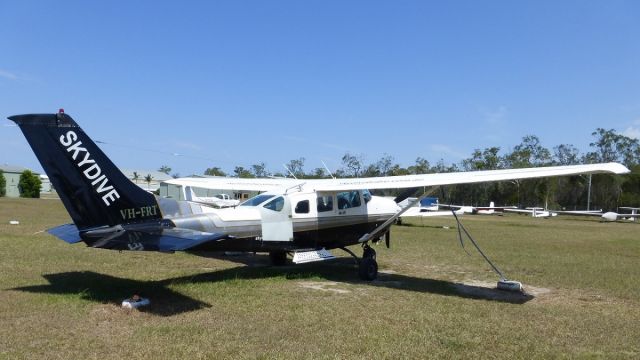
[166, 302]
[109, 289]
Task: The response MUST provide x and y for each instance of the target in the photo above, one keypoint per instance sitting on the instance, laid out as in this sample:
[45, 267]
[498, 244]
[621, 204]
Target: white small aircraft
[607, 216]
[305, 218]
[533, 211]
[492, 209]
[219, 201]
[426, 207]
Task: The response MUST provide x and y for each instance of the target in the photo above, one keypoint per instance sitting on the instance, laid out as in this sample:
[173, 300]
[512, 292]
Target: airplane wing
[579, 212]
[235, 184]
[413, 181]
[398, 182]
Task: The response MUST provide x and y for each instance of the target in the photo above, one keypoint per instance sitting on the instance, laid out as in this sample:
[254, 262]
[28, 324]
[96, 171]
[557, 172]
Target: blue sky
[228, 83]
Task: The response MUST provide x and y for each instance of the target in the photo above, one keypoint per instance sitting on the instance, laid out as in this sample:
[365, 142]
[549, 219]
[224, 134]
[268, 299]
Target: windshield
[257, 200]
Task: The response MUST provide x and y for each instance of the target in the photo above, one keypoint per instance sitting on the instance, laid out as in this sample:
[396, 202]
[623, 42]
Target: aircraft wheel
[278, 258]
[368, 269]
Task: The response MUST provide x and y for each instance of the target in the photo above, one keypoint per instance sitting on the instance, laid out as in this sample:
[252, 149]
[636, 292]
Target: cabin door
[277, 224]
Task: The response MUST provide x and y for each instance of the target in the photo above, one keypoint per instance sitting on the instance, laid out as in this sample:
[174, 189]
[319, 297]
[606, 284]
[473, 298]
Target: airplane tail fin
[492, 204]
[93, 190]
[189, 194]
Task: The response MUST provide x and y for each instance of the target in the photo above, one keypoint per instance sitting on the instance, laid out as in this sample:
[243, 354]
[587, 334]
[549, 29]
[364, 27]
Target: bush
[3, 185]
[29, 185]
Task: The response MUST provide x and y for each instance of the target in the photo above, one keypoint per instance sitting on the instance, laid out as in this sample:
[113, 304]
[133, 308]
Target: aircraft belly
[246, 235]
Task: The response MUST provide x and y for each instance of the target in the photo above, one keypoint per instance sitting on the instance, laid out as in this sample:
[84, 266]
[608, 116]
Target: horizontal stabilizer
[67, 232]
[311, 256]
[136, 237]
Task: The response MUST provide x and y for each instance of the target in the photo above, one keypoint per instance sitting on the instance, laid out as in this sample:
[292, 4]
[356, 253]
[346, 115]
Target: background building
[12, 175]
[140, 177]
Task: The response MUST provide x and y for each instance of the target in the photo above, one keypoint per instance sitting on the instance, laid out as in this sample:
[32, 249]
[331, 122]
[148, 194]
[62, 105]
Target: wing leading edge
[399, 182]
[469, 177]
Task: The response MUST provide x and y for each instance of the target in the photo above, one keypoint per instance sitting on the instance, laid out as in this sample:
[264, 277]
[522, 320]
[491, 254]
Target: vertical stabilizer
[94, 191]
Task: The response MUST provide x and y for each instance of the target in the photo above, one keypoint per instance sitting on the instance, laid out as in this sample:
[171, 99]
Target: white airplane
[426, 207]
[306, 218]
[420, 212]
[533, 211]
[607, 216]
[219, 201]
[492, 209]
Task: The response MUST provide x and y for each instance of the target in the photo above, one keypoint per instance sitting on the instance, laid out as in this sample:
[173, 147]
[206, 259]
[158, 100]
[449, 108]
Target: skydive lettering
[91, 170]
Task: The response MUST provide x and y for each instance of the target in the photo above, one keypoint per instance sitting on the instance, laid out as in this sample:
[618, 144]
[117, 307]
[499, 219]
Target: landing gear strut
[278, 258]
[368, 266]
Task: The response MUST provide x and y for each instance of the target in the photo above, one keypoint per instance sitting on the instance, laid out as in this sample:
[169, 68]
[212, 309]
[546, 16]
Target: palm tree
[148, 179]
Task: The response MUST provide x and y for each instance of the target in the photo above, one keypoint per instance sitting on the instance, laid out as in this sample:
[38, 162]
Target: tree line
[571, 192]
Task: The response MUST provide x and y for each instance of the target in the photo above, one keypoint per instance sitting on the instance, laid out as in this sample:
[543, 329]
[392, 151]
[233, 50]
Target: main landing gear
[367, 265]
[278, 258]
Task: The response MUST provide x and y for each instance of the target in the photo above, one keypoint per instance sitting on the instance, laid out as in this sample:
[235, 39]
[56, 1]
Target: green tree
[165, 169]
[29, 185]
[136, 177]
[241, 172]
[421, 167]
[148, 179]
[318, 173]
[260, 170]
[3, 184]
[215, 171]
[353, 164]
[296, 166]
[565, 154]
[385, 165]
[611, 146]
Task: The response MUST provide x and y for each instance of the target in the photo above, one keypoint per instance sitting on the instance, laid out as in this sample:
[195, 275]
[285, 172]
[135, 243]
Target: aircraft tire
[368, 269]
[278, 258]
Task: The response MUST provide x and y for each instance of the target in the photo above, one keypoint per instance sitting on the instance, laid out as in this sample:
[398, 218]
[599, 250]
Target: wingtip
[618, 168]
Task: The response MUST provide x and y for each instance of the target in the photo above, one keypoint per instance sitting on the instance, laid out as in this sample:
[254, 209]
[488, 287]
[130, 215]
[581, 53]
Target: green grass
[62, 301]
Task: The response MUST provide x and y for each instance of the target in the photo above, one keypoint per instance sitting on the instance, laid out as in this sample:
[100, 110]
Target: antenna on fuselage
[327, 168]
[290, 172]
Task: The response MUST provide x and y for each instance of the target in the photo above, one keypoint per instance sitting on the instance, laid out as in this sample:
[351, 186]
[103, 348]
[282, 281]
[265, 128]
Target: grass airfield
[431, 300]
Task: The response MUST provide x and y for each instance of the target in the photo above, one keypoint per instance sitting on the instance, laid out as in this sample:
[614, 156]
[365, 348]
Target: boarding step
[301, 257]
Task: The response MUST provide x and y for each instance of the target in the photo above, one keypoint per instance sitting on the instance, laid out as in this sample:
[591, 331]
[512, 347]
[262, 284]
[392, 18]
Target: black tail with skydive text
[94, 191]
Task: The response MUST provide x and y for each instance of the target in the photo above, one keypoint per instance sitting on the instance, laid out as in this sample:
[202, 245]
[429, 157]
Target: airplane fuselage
[314, 219]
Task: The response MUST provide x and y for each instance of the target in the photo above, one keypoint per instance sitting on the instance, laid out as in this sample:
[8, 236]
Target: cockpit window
[257, 200]
[276, 204]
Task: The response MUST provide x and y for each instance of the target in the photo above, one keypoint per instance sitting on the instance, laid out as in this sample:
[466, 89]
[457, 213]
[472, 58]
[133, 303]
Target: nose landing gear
[367, 265]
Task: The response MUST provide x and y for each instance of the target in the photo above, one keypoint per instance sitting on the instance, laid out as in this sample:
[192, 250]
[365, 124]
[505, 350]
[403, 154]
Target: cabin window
[325, 203]
[302, 207]
[276, 204]
[348, 199]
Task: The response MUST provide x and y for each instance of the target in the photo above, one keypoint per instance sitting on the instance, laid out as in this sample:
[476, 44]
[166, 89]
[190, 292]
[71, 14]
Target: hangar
[11, 174]
[148, 180]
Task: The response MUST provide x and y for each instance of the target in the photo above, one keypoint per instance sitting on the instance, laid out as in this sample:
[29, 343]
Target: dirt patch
[323, 286]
